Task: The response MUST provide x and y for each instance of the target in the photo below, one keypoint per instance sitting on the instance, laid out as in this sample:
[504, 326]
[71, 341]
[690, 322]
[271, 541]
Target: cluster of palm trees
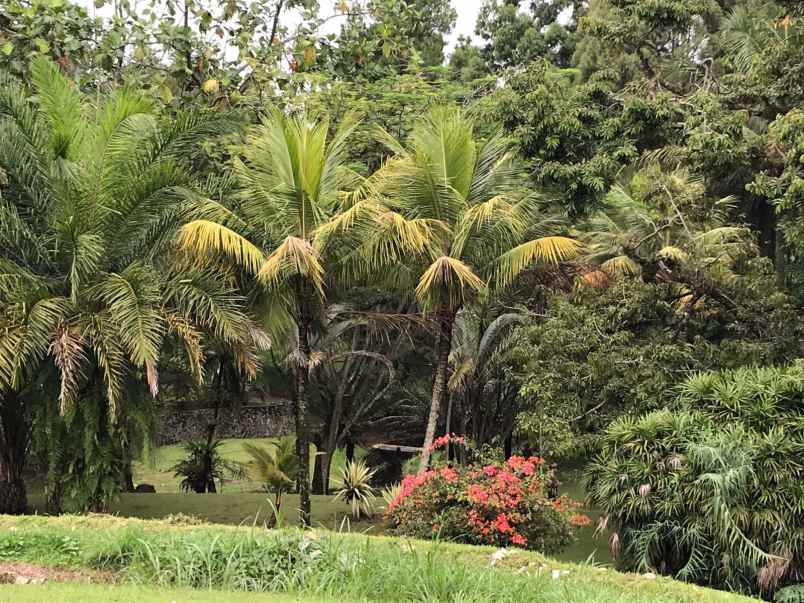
[113, 250]
[446, 219]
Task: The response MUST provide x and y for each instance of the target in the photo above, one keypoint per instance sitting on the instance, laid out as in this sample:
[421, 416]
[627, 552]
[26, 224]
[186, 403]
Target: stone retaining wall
[179, 424]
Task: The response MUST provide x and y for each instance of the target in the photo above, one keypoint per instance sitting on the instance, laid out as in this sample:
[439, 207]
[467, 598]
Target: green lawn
[94, 593]
[238, 503]
[242, 503]
[157, 471]
[324, 567]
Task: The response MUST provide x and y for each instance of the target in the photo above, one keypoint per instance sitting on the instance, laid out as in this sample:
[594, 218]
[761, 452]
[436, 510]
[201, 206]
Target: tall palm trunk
[302, 433]
[14, 434]
[446, 319]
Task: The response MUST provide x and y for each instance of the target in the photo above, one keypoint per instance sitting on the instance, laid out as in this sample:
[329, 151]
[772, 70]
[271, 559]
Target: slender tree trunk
[318, 464]
[275, 24]
[302, 433]
[446, 319]
[448, 426]
[350, 451]
[14, 435]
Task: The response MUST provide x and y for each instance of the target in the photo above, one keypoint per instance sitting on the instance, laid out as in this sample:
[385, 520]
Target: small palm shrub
[502, 504]
[713, 492]
[204, 465]
[356, 489]
[274, 466]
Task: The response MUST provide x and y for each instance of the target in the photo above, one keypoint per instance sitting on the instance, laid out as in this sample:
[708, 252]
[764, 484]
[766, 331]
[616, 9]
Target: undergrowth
[325, 565]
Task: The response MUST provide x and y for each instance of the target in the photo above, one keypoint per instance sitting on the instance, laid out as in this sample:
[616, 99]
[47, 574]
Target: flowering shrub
[502, 504]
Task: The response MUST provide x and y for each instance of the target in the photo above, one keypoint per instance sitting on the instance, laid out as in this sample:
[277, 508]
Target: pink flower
[449, 474]
[490, 470]
[477, 494]
[515, 462]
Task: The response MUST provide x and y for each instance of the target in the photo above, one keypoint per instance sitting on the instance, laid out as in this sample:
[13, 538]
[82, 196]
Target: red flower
[501, 524]
[519, 540]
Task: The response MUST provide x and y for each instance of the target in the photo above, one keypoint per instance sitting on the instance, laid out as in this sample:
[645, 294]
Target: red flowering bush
[502, 504]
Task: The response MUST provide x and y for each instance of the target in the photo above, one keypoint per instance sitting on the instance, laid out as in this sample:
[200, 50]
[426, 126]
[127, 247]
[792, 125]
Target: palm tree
[275, 467]
[449, 211]
[487, 398]
[90, 201]
[292, 174]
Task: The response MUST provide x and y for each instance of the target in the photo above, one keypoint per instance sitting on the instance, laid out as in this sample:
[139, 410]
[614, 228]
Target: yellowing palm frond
[620, 265]
[191, 339]
[67, 349]
[203, 238]
[448, 282]
[545, 249]
[496, 219]
[294, 257]
[672, 253]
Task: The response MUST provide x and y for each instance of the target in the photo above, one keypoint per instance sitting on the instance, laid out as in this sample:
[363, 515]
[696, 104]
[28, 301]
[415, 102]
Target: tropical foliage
[535, 241]
[274, 466]
[356, 489]
[92, 197]
[204, 466]
[710, 493]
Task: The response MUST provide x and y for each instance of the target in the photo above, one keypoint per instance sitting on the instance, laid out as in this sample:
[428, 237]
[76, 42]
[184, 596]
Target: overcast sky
[467, 14]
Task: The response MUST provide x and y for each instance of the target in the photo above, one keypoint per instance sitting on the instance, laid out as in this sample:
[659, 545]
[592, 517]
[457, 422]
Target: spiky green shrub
[712, 492]
[356, 488]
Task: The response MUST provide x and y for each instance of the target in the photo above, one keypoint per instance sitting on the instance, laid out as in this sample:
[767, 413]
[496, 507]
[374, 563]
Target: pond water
[588, 546]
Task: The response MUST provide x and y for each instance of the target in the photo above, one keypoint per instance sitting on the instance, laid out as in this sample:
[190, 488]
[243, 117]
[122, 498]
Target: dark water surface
[587, 547]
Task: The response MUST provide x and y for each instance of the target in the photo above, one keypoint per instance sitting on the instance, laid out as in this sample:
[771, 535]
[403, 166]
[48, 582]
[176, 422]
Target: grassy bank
[322, 564]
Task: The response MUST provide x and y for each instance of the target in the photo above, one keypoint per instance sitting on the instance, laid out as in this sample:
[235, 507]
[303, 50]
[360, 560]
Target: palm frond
[448, 282]
[544, 250]
[203, 237]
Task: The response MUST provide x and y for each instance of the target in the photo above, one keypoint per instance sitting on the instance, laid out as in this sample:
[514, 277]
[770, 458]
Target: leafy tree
[291, 173]
[517, 35]
[452, 213]
[388, 36]
[602, 353]
[659, 33]
[573, 136]
[60, 30]
[466, 63]
[91, 198]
